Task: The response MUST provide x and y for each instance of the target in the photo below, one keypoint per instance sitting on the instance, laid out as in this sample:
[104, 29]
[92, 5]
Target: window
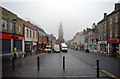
[33, 34]
[30, 33]
[116, 18]
[101, 27]
[110, 20]
[4, 24]
[27, 33]
[19, 29]
[11, 25]
[105, 26]
[116, 32]
[105, 35]
[110, 33]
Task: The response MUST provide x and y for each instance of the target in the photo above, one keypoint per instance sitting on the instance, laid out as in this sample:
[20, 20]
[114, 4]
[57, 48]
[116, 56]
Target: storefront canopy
[92, 43]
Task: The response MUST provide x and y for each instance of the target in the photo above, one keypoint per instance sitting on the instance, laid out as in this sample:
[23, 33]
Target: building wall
[113, 26]
[8, 16]
[28, 38]
[9, 30]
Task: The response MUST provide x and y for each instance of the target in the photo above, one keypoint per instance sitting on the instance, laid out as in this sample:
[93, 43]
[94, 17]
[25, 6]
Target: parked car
[48, 49]
[56, 48]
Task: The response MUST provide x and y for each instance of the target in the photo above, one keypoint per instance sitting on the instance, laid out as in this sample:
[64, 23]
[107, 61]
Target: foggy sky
[75, 15]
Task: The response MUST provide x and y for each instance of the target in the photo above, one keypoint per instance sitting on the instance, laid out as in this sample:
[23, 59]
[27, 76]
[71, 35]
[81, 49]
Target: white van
[64, 48]
[56, 48]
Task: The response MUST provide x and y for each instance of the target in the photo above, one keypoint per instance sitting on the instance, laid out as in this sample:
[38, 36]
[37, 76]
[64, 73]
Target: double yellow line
[113, 76]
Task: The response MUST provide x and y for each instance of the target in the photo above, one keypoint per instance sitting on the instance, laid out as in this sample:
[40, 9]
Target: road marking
[113, 76]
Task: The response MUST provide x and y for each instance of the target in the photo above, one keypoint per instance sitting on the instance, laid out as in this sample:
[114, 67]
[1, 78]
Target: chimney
[117, 5]
[105, 15]
[93, 26]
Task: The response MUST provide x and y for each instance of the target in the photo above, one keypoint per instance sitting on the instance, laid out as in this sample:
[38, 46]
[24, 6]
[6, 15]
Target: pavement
[109, 64]
[77, 65]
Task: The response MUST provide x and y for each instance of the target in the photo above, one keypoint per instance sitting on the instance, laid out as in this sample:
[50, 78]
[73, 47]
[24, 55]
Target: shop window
[4, 24]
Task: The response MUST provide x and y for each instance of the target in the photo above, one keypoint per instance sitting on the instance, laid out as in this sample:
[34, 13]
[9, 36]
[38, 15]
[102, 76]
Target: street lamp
[14, 21]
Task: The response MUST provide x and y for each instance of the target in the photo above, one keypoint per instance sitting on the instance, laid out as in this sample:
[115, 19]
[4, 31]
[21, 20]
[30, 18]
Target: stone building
[7, 33]
[102, 34]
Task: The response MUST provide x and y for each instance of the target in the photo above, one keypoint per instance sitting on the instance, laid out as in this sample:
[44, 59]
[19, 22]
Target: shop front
[28, 47]
[113, 47]
[81, 46]
[92, 47]
[7, 43]
[34, 49]
[102, 46]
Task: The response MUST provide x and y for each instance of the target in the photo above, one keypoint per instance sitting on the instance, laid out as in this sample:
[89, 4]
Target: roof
[28, 24]
[41, 31]
[103, 20]
[114, 11]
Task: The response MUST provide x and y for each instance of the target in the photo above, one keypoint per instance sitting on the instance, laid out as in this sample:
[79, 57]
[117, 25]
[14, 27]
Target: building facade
[114, 30]
[8, 34]
[30, 37]
[52, 39]
[102, 35]
[42, 39]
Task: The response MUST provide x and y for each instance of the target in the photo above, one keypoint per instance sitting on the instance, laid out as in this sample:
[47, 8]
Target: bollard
[13, 60]
[97, 68]
[63, 62]
[38, 63]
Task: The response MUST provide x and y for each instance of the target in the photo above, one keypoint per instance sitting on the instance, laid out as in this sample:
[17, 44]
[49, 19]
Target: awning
[92, 43]
[102, 42]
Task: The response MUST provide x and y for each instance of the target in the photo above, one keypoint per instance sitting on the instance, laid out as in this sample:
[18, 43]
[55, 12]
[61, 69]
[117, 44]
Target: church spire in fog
[60, 33]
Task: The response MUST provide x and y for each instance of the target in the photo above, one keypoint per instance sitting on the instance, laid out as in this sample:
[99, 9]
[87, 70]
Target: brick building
[114, 30]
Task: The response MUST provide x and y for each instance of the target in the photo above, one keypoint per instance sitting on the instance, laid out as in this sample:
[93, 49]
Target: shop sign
[5, 36]
[103, 42]
[92, 43]
[82, 44]
[34, 43]
[9, 36]
[28, 42]
[112, 42]
[85, 44]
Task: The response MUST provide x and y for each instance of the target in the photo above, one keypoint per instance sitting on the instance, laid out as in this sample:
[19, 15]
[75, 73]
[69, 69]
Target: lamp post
[14, 21]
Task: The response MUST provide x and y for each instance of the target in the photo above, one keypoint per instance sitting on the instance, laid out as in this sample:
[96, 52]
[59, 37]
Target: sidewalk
[103, 54]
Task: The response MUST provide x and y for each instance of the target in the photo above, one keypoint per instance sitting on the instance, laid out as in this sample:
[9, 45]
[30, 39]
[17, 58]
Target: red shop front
[113, 47]
[7, 43]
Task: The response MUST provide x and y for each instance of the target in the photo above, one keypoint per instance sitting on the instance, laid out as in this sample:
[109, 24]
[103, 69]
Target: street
[77, 64]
